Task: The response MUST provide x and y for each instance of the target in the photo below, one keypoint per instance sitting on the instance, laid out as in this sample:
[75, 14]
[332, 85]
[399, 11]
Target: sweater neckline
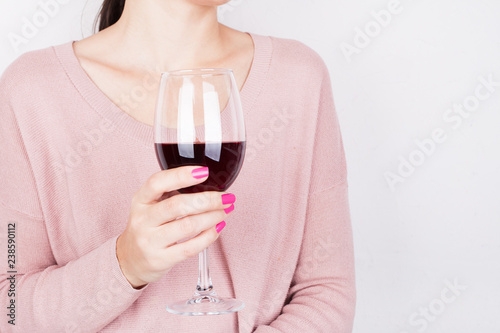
[132, 127]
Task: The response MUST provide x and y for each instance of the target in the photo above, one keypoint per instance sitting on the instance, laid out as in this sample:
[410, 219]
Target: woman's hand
[147, 249]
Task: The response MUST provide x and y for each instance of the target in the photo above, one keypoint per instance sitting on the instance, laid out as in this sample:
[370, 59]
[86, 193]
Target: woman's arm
[322, 294]
[85, 294]
[82, 296]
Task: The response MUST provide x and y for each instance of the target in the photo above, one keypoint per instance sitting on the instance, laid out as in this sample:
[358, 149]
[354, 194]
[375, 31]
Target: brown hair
[110, 13]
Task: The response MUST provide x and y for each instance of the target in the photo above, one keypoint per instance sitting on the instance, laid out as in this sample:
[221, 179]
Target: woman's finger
[189, 226]
[182, 251]
[169, 180]
[189, 204]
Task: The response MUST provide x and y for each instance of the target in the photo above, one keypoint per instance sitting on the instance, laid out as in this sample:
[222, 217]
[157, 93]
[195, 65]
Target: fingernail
[228, 198]
[200, 173]
[229, 209]
[220, 226]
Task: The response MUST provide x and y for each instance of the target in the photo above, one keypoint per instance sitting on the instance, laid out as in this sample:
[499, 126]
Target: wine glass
[199, 121]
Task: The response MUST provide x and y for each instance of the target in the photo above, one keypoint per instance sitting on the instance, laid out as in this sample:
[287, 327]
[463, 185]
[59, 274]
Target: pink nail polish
[228, 198]
[229, 209]
[200, 173]
[220, 226]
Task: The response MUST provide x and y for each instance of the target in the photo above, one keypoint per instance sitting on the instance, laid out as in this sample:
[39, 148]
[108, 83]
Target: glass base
[202, 305]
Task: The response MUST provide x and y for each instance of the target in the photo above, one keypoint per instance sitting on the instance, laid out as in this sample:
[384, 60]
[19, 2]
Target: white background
[443, 222]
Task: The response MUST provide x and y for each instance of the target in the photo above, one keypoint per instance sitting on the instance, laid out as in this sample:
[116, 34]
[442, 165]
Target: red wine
[222, 159]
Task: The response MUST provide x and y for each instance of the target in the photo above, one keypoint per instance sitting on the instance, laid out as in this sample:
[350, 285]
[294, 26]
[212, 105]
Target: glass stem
[204, 286]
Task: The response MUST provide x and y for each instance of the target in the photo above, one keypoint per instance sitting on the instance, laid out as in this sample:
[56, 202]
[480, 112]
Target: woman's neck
[169, 34]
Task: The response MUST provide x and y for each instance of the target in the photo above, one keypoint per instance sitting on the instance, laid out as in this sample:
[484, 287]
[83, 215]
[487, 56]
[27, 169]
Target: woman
[81, 183]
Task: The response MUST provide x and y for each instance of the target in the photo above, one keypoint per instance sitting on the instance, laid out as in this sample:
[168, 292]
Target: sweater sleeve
[321, 297]
[36, 293]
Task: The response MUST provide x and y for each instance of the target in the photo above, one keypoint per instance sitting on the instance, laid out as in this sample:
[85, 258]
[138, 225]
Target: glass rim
[197, 71]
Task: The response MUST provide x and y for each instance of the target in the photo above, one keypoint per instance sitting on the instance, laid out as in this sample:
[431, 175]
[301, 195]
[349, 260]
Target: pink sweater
[71, 161]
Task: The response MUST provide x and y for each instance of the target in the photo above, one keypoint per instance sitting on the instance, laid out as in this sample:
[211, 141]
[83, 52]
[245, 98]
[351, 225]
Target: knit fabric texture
[71, 160]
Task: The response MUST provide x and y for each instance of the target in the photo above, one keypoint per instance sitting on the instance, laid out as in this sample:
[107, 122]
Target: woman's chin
[209, 2]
